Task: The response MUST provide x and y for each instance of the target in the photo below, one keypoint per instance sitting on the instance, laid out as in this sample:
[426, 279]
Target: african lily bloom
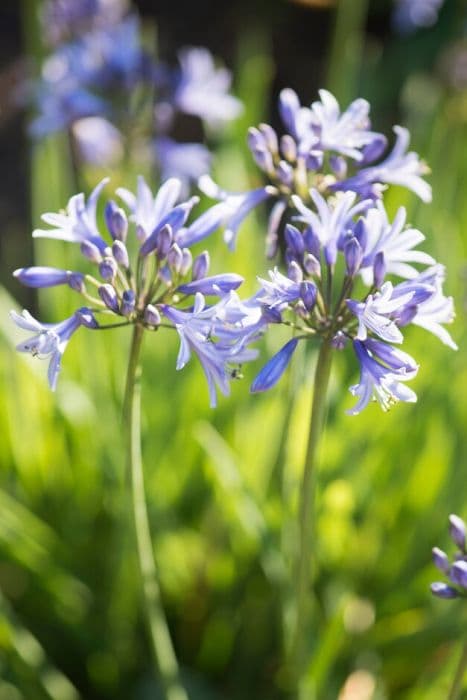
[162, 287]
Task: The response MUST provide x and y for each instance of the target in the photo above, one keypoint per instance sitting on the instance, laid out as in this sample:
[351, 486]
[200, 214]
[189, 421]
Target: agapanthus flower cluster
[455, 570]
[146, 275]
[410, 15]
[111, 93]
[323, 150]
[352, 275]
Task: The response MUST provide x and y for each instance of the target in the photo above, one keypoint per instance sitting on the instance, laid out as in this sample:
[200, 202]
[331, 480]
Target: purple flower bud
[458, 573]
[109, 296]
[90, 251]
[442, 590]
[187, 261]
[294, 272]
[457, 530]
[379, 269]
[275, 368]
[339, 166]
[160, 239]
[116, 221]
[86, 317]
[108, 269]
[339, 341]
[294, 239]
[140, 233]
[217, 285]
[76, 282]
[353, 256]
[120, 253]
[255, 139]
[284, 173]
[314, 160]
[271, 315]
[165, 275]
[289, 148]
[361, 234]
[308, 294]
[270, 137]
[311, 265]
[440, 560]
[312, 242]
[200, 266]
[164, 242]
[175, 258]
[263, 159]
[128, 302]
[152, 316]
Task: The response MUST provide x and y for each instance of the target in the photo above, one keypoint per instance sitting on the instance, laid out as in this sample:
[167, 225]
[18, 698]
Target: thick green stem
[159, 632]
[456, 688]
[307, 497]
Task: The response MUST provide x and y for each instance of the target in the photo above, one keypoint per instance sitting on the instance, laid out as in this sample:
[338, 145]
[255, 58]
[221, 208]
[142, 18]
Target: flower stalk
[307, 499]
[456, 688]
[161, 642]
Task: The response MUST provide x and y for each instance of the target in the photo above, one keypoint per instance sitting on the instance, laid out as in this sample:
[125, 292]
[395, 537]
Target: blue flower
[49, 277]
[398, 168]
[217, 334]
[375, 313]
[279, 292]
[203, 89]
[99, 142]
[383, 370]
[185, 161]
[410, 15]
[50, 339]
[78, 223]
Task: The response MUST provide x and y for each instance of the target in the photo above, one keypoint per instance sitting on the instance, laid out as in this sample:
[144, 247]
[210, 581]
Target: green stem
[456, 688]
[307, 496]
[159, 632]
[347, 49]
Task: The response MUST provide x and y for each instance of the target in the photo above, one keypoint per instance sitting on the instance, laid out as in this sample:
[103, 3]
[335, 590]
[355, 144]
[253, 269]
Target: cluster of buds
[455, 570]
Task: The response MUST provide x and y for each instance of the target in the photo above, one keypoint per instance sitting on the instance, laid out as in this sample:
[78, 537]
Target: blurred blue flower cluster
[351, 274]
[456, 571]
[111, 94]
[410, 15]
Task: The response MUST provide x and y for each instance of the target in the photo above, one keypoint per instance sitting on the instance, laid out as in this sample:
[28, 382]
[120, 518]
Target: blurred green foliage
[222, 485]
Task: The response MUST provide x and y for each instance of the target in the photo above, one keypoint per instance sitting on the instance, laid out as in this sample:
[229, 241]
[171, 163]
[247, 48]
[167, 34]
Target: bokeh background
[222, 484]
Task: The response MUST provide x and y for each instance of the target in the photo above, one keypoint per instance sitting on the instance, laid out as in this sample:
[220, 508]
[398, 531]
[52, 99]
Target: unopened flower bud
[175, 258]
[294, 239]
[284, 173]
[120, 253]
[312, 242]
[440, 560]
[90, 251]
[308, 294]
[457, 530]
[187, 261]
[164, 241]
[442, 590]
[108, 269]
[270, 137]
[379, 270]
[353, 256]
[116, 221]
[263, 159]
[128, 302]
[152, 316]
[165, 275]
[289, 148]
[294, 272]
[339, 341]
[200, 266]
[314, 160]
[109, 296]
[76, 282]
[86, 318]
[311, 265]
[458, 573]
